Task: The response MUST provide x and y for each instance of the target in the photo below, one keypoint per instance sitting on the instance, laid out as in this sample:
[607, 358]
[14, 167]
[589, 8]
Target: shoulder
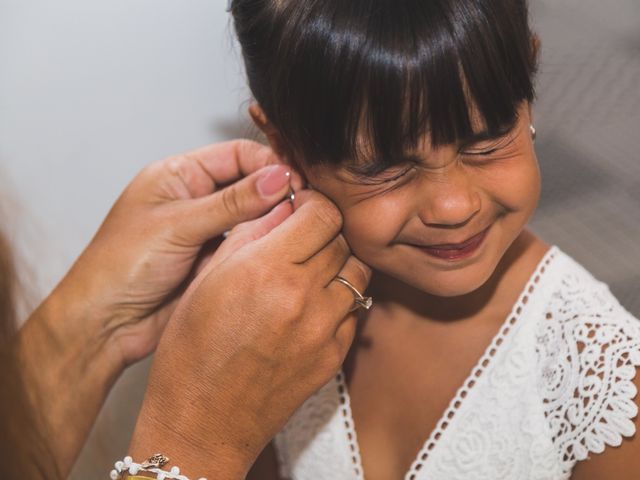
[579, 305]
[588, 348]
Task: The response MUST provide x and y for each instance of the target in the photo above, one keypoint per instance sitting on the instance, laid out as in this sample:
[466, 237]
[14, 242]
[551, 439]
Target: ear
[535, 47]
[298, 180]
[273, 136]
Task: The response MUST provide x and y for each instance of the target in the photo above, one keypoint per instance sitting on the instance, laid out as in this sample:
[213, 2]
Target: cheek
[369, 223]
[526, 184]
[373, 224]
[516, 186]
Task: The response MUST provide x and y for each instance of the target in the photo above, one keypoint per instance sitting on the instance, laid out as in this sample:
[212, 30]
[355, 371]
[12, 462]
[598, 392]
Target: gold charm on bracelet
[157, 460]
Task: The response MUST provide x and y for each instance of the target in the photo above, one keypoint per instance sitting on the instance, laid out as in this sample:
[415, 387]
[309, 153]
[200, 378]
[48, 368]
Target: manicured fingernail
[273, 180]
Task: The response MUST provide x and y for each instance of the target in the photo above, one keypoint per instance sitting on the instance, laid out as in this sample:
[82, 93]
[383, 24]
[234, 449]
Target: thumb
[207, 217]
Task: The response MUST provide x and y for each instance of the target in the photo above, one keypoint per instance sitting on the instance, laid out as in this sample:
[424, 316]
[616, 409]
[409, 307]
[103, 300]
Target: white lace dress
[554, 385]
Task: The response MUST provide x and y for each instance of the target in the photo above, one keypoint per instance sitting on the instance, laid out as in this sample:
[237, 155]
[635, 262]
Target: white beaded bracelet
[152, 465]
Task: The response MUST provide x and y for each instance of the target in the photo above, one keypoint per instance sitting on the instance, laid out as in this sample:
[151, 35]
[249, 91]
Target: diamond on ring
[358, 298]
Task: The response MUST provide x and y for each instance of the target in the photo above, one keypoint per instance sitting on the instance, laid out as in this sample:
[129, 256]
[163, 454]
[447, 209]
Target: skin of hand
[260, 330]
[111, 308]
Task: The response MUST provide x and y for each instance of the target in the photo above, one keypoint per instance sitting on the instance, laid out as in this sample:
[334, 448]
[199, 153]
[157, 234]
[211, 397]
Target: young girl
[488, 354]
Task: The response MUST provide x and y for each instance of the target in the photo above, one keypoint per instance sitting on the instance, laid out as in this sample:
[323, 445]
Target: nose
[448, 200]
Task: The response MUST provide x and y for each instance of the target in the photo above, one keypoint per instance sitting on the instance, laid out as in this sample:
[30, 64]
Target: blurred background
[90, 92]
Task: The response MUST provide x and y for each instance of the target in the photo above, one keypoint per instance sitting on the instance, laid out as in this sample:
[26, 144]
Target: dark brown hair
[24, 453]
[7, 292]
[332, 73]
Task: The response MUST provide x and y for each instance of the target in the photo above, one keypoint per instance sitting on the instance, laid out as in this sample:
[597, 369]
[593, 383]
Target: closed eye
[387, 176]
[493, 147]
[382, 183]
[481, 152]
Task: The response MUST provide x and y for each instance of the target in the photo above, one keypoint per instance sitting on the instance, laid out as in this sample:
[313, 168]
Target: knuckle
[231, 201]
[175, 164]
[246, 146]
[294, 303]
[286, 297]
[276, 302]
[337, 253]
[328, 214]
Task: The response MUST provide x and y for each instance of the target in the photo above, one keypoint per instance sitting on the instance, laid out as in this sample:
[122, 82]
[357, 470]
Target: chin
[449, 290]
[454, 283]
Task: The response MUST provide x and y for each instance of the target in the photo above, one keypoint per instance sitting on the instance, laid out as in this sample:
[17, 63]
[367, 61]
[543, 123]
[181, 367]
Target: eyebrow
[485, 134]
[373, 167]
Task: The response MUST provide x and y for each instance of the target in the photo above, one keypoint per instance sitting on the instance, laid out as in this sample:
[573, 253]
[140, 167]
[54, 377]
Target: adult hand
[257, 333]
[111, 308]
[134, 269]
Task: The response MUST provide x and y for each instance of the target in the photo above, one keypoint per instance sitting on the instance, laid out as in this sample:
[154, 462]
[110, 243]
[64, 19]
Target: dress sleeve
[588, 349]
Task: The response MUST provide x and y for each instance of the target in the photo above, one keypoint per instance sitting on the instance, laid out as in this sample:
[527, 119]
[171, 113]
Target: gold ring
[358, 298]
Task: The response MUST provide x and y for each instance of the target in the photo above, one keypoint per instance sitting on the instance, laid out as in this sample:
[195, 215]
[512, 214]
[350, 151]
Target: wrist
[213, 459]
[153, 467]
[69, 366]
[94, 319]
[201, 441]
[74, 326]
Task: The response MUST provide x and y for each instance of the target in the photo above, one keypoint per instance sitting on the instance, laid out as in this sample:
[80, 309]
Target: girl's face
[451, 195]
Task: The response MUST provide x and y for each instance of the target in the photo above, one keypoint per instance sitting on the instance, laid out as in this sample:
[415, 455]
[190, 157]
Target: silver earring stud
[533, 132]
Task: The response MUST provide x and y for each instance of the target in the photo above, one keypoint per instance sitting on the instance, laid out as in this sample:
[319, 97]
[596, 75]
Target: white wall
[92, 91]
[89, 93]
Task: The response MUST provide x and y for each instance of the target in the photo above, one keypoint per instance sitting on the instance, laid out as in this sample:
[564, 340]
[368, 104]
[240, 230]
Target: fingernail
[273, 180]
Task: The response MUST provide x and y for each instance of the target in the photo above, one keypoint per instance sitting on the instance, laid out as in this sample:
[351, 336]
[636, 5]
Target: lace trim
[589, 347]
[481, 366]
[345, 410]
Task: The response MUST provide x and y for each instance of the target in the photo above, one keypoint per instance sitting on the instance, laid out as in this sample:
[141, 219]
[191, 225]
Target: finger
[248, 232]
[329, 261]
[205, 170]
[228, 161]
[340, 296]
[207, 217]
[315, 222]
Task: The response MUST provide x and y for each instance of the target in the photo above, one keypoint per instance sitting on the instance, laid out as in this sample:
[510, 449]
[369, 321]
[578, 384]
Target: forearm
[69, 364]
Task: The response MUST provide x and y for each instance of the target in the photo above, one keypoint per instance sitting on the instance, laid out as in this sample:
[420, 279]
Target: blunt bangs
[364, 81]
